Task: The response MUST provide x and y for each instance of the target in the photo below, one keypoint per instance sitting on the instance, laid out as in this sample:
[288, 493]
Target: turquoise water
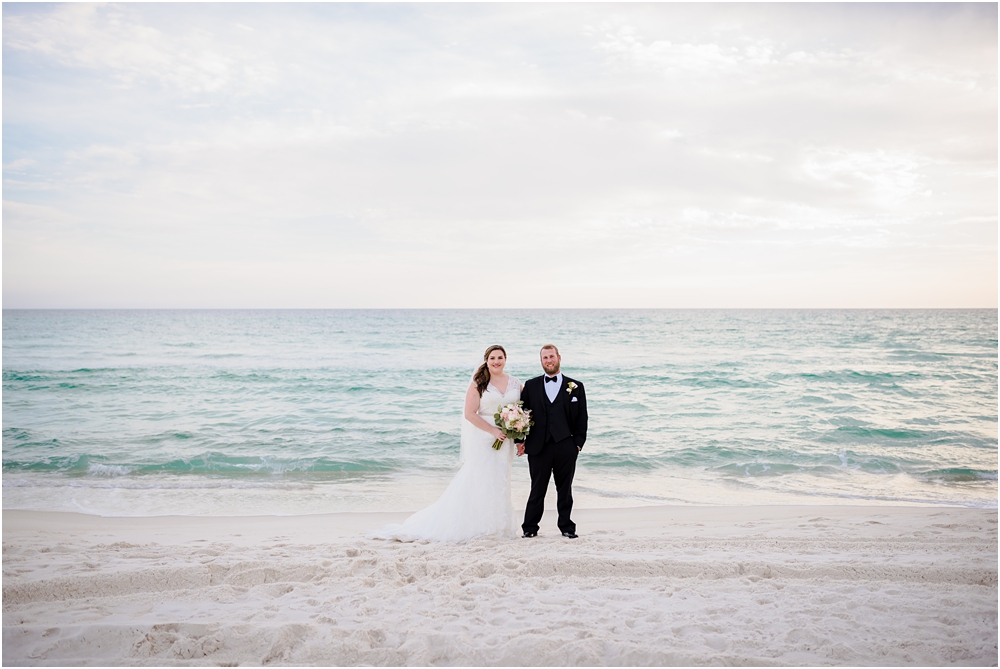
[204, 412]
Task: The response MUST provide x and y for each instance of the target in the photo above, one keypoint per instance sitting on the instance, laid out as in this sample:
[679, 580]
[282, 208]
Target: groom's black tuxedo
[552, 445]
[558, 420]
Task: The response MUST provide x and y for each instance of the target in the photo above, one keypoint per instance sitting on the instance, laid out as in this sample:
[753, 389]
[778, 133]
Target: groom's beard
[551, 372]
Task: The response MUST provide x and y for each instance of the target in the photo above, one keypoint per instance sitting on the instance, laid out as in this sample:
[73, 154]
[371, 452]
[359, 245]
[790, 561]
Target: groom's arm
[580, 427]
[526, 405]
[526, 399]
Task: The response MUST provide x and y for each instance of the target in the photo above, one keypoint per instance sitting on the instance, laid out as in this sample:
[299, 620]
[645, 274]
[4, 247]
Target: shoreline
[408, 491]
[23, 519]
[661, 585]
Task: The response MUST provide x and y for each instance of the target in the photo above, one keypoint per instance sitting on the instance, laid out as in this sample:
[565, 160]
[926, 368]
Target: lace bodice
[492, 398]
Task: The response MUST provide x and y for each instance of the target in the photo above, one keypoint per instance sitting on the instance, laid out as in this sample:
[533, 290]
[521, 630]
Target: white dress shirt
[552, 389]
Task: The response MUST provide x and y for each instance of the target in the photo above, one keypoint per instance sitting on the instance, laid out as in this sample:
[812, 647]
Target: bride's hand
[498, 433]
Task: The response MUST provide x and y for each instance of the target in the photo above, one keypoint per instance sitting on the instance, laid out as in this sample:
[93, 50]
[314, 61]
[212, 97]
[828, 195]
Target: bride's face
[496, 362]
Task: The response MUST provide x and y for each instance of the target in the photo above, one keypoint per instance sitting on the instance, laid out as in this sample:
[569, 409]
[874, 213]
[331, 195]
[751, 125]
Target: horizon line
[994, 308]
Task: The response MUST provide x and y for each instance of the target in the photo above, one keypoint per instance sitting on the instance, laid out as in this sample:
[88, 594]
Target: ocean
[200, 412]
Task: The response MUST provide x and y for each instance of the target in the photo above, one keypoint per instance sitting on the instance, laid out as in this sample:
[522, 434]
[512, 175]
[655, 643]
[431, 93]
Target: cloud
[370, 155]
[700, 59]
[890, 177]
[114, 42]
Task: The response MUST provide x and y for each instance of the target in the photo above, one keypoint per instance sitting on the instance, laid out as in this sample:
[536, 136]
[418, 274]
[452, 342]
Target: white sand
[844, 585]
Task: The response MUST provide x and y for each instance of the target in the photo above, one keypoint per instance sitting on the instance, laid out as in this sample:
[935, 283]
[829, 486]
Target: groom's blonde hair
[552, 346]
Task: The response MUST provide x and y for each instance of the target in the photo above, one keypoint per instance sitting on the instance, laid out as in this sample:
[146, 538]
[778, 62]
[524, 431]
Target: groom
[559, 408]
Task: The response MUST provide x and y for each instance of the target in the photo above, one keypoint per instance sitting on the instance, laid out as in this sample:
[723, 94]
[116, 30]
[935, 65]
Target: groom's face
[550, 361]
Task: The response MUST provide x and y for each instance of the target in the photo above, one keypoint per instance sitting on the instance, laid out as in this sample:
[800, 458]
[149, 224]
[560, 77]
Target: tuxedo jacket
[565, 417]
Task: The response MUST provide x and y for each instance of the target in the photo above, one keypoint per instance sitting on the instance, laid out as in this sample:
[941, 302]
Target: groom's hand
[520, 449]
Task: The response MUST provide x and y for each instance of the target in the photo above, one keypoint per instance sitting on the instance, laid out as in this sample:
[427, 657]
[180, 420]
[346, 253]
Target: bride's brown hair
[482, 375]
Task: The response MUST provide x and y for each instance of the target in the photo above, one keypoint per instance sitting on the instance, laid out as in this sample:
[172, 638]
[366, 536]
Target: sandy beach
[781, 585]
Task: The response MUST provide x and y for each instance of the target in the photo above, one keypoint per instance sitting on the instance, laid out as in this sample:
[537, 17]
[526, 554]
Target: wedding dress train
[477, 501]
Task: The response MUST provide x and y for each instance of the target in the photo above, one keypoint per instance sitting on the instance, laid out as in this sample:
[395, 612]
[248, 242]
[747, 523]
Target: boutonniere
[570, 387]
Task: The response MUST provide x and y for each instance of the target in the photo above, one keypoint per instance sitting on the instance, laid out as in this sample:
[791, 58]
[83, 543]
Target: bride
[477, 501]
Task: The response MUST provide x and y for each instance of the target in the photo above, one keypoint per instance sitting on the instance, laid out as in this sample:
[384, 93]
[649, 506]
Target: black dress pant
[557, 459]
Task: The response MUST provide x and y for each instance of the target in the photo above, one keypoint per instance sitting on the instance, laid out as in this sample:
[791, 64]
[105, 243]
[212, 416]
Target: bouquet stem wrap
[514, 421]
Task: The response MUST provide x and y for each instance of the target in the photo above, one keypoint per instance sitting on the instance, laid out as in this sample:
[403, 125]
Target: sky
[499, 155]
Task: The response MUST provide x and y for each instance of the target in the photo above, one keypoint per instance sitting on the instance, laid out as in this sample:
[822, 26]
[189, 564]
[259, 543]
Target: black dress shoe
[529, 535]
[570, 535]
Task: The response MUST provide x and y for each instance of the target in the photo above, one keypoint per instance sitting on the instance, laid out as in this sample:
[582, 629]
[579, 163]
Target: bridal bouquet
[513, 421]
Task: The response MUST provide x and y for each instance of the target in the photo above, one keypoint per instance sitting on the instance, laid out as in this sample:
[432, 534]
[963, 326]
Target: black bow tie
[551, 378]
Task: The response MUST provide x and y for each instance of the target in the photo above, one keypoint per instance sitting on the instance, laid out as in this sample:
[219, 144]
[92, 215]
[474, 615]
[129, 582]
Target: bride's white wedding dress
[477, 501]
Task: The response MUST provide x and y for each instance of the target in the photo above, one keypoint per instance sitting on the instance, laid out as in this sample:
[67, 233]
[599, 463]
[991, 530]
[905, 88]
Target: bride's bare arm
[472, 413]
